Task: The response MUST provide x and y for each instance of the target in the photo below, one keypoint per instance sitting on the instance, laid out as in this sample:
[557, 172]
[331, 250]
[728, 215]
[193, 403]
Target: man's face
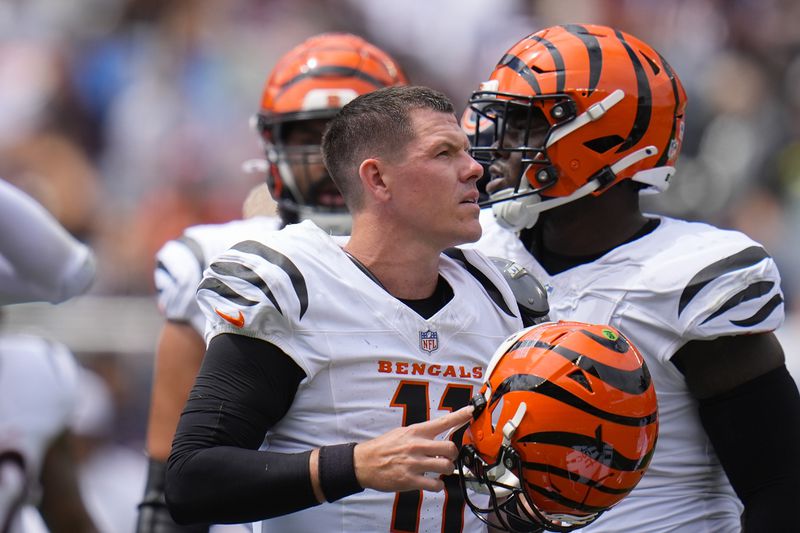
[302, 141]
[434, 181]
[506, 168]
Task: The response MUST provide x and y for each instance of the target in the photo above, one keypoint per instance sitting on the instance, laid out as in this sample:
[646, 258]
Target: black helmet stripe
[558, 60]
[519, 66]
[333, 70]
[593, 48]
[634, 381]
[566, 501]
[644, 109]
[671, 74]
[599, 450]
[540, 385]
[574, 478]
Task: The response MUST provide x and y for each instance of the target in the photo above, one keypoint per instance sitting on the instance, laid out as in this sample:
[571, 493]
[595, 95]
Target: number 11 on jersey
[412, 396]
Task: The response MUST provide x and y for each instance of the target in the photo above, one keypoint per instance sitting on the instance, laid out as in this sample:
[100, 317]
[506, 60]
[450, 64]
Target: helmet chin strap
[518, 214]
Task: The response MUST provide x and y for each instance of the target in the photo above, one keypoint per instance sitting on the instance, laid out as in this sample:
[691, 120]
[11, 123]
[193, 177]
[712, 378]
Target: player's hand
[398, 460]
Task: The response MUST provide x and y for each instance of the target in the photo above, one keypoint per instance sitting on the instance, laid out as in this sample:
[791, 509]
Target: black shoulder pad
[529, 293]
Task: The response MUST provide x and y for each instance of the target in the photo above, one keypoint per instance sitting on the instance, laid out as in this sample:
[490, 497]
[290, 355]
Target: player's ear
[372, 174]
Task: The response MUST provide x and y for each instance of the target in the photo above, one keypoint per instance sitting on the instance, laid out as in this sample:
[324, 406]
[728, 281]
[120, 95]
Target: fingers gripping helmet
[612, 109]
[564, 427]
[311, 83]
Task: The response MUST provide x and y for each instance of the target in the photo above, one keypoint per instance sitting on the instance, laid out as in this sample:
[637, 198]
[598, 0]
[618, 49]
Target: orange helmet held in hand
[564, 427]
[305, 90]
[585, 107]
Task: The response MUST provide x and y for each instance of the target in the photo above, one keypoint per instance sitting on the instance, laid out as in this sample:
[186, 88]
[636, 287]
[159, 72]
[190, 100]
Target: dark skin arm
[750, 409]
[717, 366]
[61, 506]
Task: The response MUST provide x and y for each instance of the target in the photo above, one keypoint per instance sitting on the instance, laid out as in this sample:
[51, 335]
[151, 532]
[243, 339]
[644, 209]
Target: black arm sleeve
[153, 515]
[215, 473]
[755, 430]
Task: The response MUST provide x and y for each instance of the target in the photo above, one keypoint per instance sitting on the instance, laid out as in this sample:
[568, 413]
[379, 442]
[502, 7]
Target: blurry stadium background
[128, 119]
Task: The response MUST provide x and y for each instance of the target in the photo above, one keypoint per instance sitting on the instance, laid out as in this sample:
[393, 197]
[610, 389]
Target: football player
[38, 380]
[347, 353]
[308, 85]
[585, 119]
[39, 260]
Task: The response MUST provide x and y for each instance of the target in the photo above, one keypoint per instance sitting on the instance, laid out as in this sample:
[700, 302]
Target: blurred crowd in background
[129, 119]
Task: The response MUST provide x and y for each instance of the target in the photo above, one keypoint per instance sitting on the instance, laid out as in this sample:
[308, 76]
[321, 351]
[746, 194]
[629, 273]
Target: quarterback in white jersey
[39, 259]
[353, 356]
[371, 363]
[572, 148]
[37, 395]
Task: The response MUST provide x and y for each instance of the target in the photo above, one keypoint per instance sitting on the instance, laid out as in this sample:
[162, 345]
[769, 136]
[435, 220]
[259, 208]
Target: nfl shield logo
[429, 341]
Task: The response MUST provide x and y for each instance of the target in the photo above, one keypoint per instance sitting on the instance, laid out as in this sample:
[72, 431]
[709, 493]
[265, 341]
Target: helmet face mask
[613, 108]
[564, 427]
[297, 174]
[305, 90]
[518, 136]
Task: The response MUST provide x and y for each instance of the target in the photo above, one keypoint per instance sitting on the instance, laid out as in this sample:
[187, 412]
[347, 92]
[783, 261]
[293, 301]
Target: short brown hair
[372, 125]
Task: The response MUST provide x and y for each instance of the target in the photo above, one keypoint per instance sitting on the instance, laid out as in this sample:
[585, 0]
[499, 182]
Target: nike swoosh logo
[236, 321]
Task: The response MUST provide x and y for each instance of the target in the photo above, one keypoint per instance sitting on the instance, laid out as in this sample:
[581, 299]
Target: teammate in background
[304, 91]
[586, 118]
[39, 259]
[38, 381]
[345, 352]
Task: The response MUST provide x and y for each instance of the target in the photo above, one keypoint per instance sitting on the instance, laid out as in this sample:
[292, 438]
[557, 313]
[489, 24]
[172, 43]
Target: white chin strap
[522, 213]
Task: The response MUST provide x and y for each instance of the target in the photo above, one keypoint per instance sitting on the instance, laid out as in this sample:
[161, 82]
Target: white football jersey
[180, 264]
[372, 364]
[38, 380]
[683, 281]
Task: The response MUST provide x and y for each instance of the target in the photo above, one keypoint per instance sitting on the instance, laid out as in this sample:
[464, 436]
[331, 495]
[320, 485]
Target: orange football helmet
[590, 106]
[564, 427]
[306, 89]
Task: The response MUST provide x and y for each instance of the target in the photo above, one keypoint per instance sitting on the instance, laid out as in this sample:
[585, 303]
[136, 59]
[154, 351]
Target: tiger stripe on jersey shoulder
[760, 315]
[237, 270]
[740, 260]
[224, 273]
[225, 291]
[491, 289]
[284, 263]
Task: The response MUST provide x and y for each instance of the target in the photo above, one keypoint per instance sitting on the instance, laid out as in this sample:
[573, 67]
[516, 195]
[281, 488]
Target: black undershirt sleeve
[215, 473]
[755, 430]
